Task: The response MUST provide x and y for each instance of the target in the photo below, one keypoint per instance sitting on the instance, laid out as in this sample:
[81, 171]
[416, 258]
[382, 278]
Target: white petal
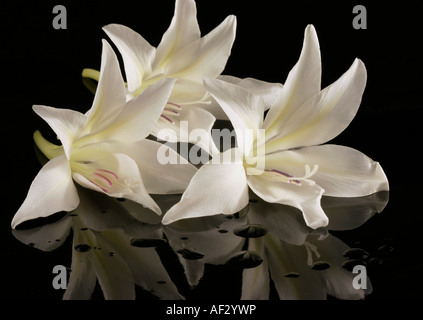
[302, 83]
[183, 30]
[268, 91]
[205, 57]
[139, 115]
[325, 115]
[193, 125]
[66, 123]
[342, 172]
[170, 178]
[244, 109]
[216, 188]
[110, 95]
[189, 93]
[136, 52]
[305, 197]
[51, 191]
[124, 180]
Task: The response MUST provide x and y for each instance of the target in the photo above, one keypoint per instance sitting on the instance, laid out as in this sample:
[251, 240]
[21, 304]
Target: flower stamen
[103, 179]
[288, 178]
[171, 109]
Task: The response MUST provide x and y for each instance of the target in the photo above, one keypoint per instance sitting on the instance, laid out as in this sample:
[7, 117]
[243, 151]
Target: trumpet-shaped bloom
[279, 156]
[104, 149]
[183, 55]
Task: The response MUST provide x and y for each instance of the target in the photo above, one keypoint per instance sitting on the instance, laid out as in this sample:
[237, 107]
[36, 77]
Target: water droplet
[292, 275]
[111, 254]
[250, 231]
[147, 243]
[246, 259]
[355, 253]
[82, 247]
[320, 265]
[350, 264]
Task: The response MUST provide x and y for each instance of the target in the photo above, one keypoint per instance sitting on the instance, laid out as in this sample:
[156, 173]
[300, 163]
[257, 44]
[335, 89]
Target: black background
[41, 65]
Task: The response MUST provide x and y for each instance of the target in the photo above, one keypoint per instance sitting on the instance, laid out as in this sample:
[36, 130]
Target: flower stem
[49, 149]
[91, 73]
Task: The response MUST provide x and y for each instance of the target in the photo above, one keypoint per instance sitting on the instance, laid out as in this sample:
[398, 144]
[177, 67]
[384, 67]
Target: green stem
[49, 149]
[91, 73]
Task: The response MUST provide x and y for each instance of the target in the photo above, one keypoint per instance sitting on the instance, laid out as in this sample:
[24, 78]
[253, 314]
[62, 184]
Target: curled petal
[205, 57]
[302, 82]
[136, 52]
[323, 116]
[51, 191]
[342, 171]
[305, 197]
[182, 30]
[118, 176]
[205, 197]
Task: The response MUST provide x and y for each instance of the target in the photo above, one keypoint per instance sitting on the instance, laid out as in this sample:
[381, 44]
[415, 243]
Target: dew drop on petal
[320, 265]
[246, 259]
[292, 275]
[82, 247]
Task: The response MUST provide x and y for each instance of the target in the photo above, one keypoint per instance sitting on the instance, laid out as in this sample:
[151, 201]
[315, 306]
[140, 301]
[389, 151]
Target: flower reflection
[270, 244]
[103, 232]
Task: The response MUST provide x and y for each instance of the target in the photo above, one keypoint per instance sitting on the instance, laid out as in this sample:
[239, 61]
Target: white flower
[182, 54]
[104, 149]
[287, 164]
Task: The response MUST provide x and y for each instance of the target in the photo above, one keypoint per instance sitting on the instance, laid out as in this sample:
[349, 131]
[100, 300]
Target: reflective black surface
[220, 257]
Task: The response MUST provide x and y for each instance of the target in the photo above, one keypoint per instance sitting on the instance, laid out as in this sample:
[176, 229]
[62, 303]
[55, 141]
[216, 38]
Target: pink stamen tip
[282, 173]
[286, 175]
[175, 105]
[171, 110]
[167, 118]
[105, 190]
[103, 177]
[109, 172]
